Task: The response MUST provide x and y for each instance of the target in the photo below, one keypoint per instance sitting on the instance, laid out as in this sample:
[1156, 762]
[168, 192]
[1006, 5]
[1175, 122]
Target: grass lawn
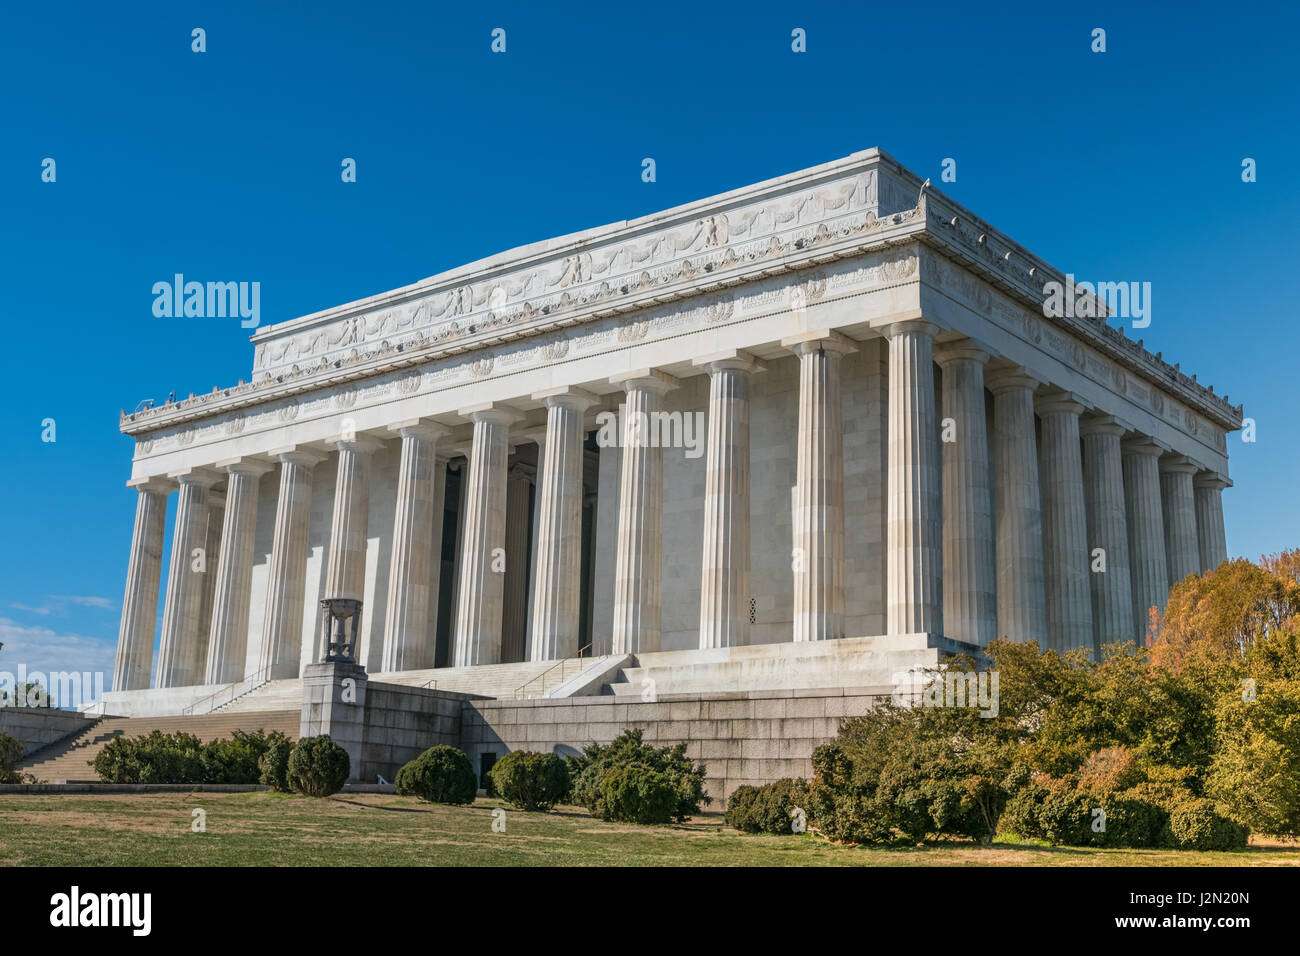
[269, 829]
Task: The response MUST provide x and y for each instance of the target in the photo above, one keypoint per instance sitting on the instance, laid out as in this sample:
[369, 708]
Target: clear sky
[225, 165]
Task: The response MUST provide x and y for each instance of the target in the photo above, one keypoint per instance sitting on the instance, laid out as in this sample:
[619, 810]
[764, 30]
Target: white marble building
[433, 451]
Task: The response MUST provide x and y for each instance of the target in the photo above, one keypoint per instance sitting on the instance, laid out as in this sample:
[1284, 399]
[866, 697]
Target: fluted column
[1103, 484]
[818, 560]
[482, 573]
[1212, 544]
[914, 548]
[724, 577]
[181, 649]
[1065, 524]
[345, 573]
[638, 555]
[228, 633]
[417, 549]
[286, 586]
[1022, 601]
[969, 558]
[131, 670]
[514, 609]
[1178, 506]
[1146, 530]
[557, 583]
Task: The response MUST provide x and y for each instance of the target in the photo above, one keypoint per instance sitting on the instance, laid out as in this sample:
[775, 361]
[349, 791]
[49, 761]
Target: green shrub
[273, 765]
[767, 809]
[530, 781]
[1020, 816]
[235, 760]
[318, 766]
[1196, 825]
[1065, 815]
[11, 751]
[1132, 821]
[153, 758]
[439, 775]
[639, 791]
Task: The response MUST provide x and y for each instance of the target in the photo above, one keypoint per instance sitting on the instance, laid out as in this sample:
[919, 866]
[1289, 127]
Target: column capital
[961, 350]
[650, 379]
[566, 396]
[1100, 424]
[203, 477]
[493, 413]
[804, 343]
[1009, 378]
[730, 360]
[361, 444]
[1174, 464]
[1145, 445]
[156, 484]
[424, 428]
[1059, 402]
[909, 326]
[245, 466]
[298, 455]
[1211, 479]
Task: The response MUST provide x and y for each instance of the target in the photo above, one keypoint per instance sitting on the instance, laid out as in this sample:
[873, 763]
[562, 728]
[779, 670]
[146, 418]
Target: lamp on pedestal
[345, 613]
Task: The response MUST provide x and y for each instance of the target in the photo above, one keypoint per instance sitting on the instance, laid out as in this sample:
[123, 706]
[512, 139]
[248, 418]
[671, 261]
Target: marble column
[818, 559]
[557, 583]
[638, 555]
[212, 558]
[969, 557]
[1021, 588]
[1065, 524]
[345, 572]
[514, 610]
[479, 602]
[1178, 506]
[1103, 484]
[914, 548]
[724, 577]
[536, 435]
[1212, 544]
[1146, 530]
[286, 587]
[181, 649]
[228, 633]
[417, 549]
[131, 670]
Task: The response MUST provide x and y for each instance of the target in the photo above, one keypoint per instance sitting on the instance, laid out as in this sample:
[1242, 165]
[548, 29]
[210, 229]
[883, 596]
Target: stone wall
[402, 722]
[744, 737]
[35, 727]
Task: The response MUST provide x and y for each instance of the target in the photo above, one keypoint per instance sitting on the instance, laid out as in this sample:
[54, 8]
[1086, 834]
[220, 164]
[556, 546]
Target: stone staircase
[865, 663]
[68, 760]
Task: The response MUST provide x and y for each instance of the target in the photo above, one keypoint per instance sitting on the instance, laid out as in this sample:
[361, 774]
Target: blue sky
[225, 165]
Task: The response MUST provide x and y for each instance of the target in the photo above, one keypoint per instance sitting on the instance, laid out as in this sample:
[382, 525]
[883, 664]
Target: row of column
[1082, 547]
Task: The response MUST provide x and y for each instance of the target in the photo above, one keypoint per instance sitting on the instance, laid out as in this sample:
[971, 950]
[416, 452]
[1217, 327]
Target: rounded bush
[318, 766]
[637, 793]
[1065, 817]
[11, 751]
[1132, 822]
[767, 809]
[439, 775]
[1196, 825]
[1020, 816]
[531, 781]
[274, 763]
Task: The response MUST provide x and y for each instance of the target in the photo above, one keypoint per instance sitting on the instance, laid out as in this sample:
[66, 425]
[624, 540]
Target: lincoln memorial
[796, 435]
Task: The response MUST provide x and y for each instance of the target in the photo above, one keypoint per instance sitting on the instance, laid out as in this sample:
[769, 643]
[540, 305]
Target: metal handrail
[253, 681]
[522, 692]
